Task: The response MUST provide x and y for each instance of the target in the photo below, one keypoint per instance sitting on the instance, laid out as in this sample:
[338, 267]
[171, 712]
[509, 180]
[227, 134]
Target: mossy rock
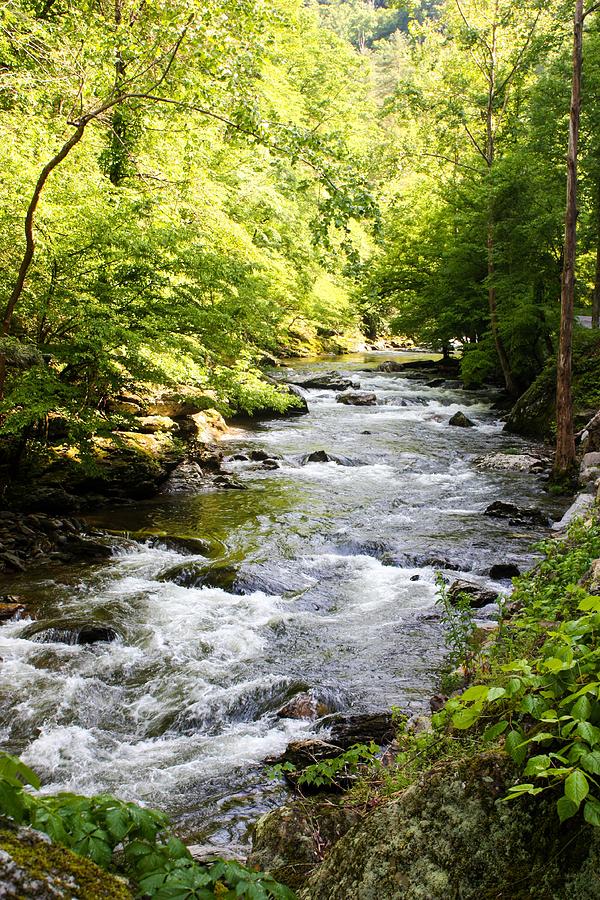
[32, 867]
[292, 840]
[533, 415]
[448, 837]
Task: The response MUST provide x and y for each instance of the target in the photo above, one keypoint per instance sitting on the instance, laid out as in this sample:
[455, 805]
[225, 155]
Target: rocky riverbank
[406, 829]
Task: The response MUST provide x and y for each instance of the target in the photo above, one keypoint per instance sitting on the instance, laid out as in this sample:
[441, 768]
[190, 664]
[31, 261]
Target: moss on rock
[32, 867]
[291, 841]
[533, 415]
[448, 838]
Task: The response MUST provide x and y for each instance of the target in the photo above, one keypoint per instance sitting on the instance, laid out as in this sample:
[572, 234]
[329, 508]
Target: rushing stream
[339, 563]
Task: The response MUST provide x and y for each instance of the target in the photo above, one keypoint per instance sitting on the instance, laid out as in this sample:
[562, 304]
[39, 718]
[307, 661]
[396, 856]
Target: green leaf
[590, 604]
[494, 731]
[538, 765]
[476, 692]
[495, 693]
[591, 812]
[515, 747]
[576, 787]
[464, 718]
[566, 808]
[591, 762]
[581, 709]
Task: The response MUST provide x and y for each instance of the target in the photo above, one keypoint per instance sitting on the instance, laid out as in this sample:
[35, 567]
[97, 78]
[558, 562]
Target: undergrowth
[128, 839]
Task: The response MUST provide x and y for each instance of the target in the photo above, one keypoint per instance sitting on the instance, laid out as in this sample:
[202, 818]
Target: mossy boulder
[32, 867]
[292, 840]
[447, 837]
[124, 465]
[533, 415]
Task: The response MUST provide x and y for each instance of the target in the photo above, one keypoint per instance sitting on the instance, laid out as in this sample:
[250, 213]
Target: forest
[300, 449]
[189, 191]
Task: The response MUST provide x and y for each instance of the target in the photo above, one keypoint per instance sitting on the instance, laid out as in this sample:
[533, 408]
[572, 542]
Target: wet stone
[478, 596]
[459, 420]
[515, 514]
[501, 571]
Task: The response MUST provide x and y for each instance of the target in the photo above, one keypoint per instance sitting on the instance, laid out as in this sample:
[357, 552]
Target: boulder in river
[305, 705]
[500, 571]
[517, 515]
[332, 381]
[11, 607]
[60, 632]
[512, 462]
[229, 483]
[270, 464]
[192, 574]
[478, 595]
[321, 456]
[357, 398]
[459, 420]
[362, 728]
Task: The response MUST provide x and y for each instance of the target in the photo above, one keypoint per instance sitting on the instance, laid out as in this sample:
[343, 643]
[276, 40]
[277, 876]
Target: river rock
[512, 462]
[590, 468]
[459, 420]
[201, 574]
[517, 515]
[321, 456]
[11, 608]
[500, 571]
[60, 632]
[286, 843]
[305, 705]
[186, 544]
[229, 483]
[447, 837]
[33, 868]
[332, 381]
[362, 728]
[153, 424]
[357, 398]
[591, 580]
[259, 455]
[478, 595]
[270, 464]
[307, 752]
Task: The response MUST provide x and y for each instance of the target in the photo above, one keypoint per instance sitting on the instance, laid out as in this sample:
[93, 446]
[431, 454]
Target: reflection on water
[339, 566]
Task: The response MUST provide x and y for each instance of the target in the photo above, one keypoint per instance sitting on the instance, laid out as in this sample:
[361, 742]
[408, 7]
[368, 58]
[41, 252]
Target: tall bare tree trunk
[30, 243]
[596, 294]
[564, 460]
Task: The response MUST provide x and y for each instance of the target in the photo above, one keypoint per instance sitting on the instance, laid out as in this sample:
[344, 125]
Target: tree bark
[596, 293]
[30, 242]
[564, 460]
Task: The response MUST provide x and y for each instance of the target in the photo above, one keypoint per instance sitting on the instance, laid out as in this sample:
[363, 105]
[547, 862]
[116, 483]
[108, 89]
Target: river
[339, 563]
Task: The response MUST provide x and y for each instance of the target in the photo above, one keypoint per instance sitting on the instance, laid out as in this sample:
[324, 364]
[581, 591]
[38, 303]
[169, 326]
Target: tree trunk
[30, 243]
[509, 381]
[564, 460]
[596, 293]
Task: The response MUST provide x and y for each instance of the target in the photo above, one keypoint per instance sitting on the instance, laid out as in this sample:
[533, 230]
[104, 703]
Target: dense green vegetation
[128, 839]
[221, 182]
[205, 216]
